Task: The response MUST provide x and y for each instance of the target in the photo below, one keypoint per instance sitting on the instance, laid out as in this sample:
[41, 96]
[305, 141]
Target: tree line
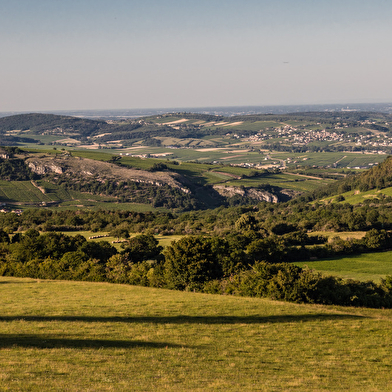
[251, 264]
[295, 215]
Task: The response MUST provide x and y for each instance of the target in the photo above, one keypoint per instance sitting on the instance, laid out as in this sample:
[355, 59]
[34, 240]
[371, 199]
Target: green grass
[163, 240]
[367, 266]
[76, 336]
[166, 240]
[342, 234]
[356, 196]
[88, 234]
[353, 160]
[284, 181]
[214, 177]
[100, 155]
[23, 194]
[108, 205]
[235, 170]
[343, 159]
[23, 191]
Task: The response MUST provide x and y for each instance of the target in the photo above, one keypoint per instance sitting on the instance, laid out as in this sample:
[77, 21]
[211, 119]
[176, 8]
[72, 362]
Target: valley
[194, 160]
[273, 188]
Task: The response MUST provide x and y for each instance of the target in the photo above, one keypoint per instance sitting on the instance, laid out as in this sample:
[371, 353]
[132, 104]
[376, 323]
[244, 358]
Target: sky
[128, 54]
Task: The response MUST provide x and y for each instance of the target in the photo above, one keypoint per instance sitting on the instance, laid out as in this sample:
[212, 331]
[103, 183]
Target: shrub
[288, 282]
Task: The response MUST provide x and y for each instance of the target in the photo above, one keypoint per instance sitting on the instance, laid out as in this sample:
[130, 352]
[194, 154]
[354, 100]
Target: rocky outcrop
[74, 167]
[290, 193]
[252, 193]
[41, 168]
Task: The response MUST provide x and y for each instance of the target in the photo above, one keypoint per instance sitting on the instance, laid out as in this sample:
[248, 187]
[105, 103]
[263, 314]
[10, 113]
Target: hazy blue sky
[117, 54]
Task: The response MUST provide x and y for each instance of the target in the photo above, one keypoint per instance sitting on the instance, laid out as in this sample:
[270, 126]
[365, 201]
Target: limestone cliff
[252, 193]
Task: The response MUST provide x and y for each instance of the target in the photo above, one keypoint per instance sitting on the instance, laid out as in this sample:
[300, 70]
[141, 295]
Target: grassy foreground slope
[58, 336]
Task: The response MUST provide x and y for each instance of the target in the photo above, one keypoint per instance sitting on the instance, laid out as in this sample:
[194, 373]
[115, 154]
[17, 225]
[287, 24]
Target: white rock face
[40, 168]
[256, 194]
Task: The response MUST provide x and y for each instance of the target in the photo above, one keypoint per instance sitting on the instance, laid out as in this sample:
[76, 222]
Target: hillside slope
[161, 185]
[104, 337]
[89, 169]
[378, 177]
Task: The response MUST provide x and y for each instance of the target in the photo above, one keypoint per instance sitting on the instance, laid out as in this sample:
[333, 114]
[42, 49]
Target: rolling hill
[158, 183]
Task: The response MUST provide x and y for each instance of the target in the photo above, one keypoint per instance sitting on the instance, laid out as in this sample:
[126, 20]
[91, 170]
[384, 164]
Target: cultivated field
[27, 194]
[76, 336]
[366, 266]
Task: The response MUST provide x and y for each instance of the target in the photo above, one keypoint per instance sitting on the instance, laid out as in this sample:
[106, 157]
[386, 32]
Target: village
[336, 137]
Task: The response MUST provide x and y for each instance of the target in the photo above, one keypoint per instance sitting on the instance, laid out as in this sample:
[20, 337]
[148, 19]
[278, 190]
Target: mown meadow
[58, 336]
[365, 266]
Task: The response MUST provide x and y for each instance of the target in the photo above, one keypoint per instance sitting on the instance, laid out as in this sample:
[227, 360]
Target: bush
[288, 282]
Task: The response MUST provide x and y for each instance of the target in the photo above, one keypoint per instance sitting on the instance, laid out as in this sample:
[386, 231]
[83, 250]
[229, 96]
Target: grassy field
[23, 191]
[345, 235]
[283, 180]
[366, 266]
[77, 336]
[356, 196]
[23, 194]
[162, 239]
[26, 194]
[224, 155]
[342, 159]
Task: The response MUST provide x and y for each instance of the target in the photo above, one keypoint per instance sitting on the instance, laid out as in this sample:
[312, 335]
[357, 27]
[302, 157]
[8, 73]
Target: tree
[270, 249]
[377, 239]
[246, 222]
[143, 247]
[158, 167]
[4, 237]
[100, 250]
[120, 232]
[69, 263]
[190, 262]
[117, 269]
[229, 254]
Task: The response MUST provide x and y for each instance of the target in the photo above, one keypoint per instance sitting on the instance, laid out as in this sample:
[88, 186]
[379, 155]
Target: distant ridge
[218, 110]
[42, 122]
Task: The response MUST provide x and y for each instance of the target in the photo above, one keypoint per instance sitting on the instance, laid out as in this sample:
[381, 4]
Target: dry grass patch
[182, 120]
[234, 124]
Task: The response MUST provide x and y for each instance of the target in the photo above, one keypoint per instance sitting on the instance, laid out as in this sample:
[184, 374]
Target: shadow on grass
[44, 341]
[190, 319]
